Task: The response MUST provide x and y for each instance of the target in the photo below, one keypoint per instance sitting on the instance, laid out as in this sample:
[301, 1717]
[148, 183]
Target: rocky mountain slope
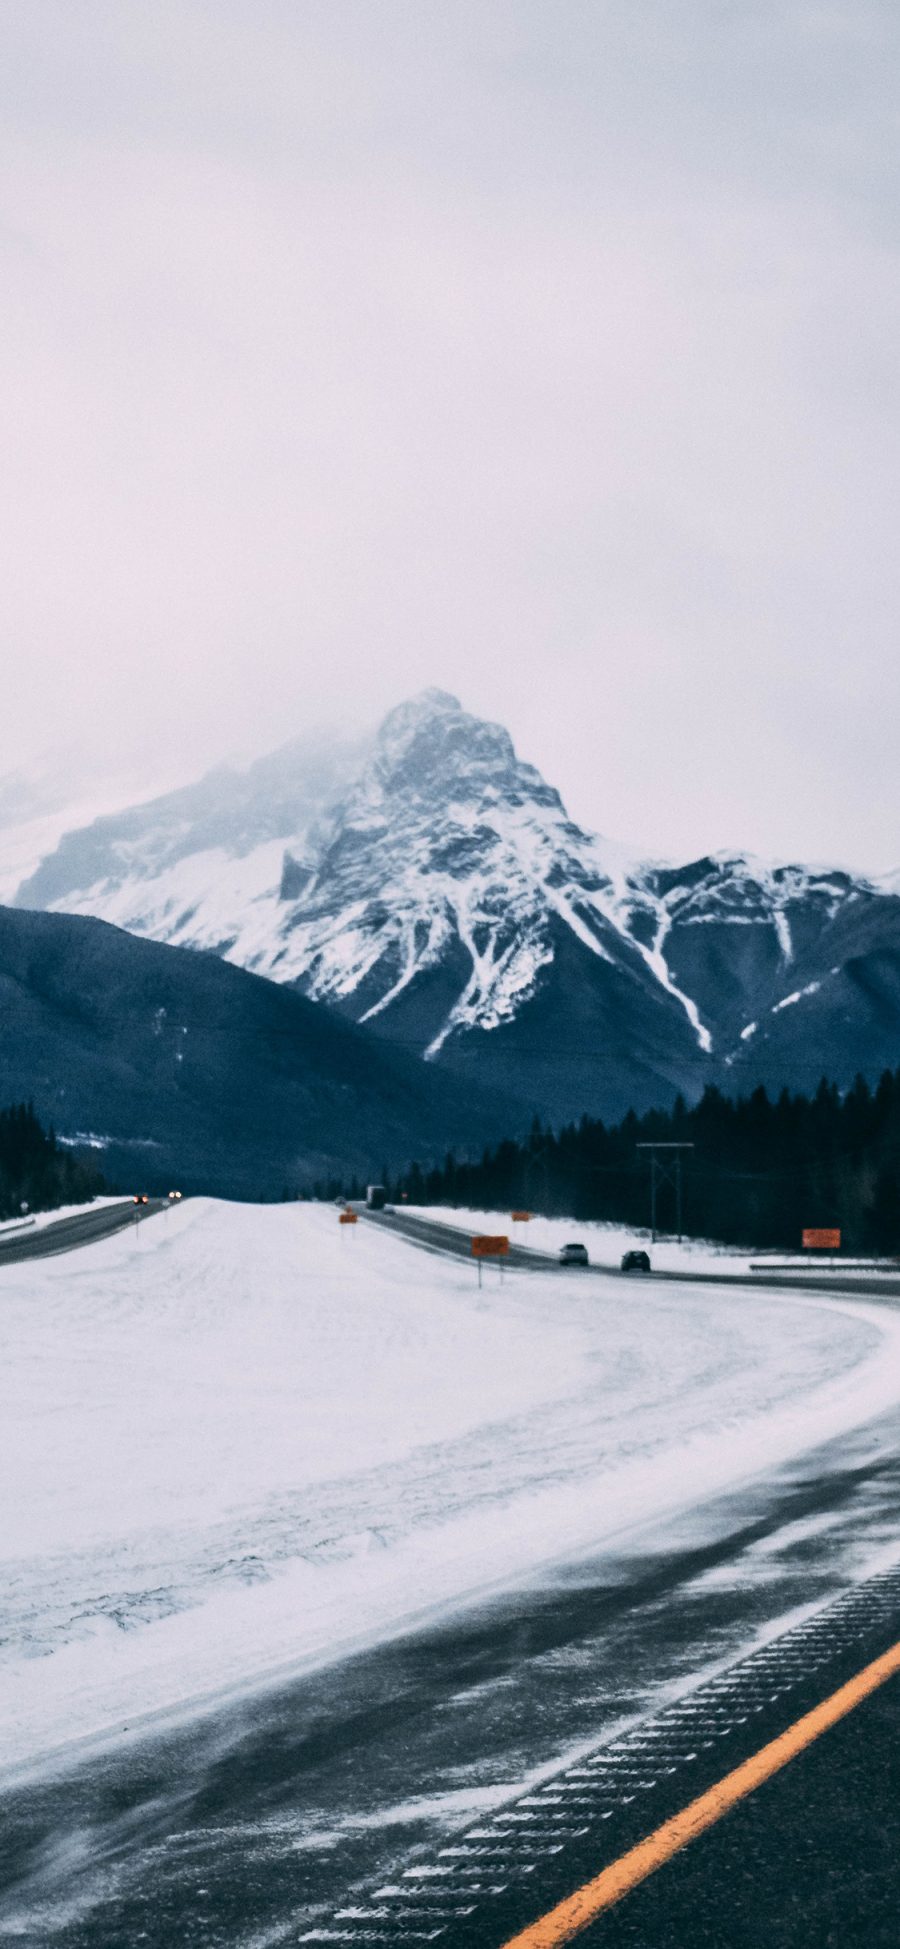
[432, 887]
[174, 1068]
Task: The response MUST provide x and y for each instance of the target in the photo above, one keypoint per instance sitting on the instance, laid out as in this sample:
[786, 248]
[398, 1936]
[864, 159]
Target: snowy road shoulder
[39, 1220]
[605, 1242]
[246, 1437]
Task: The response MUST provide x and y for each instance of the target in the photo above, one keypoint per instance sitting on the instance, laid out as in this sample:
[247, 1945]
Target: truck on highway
[376, 1197]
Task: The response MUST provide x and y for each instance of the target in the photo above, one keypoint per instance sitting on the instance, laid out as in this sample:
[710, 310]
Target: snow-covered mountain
[430, 884]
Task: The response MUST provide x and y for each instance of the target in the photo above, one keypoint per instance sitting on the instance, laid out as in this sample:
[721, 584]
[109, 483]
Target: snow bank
[239, 1438]
[605, 1243]
[36, 1220]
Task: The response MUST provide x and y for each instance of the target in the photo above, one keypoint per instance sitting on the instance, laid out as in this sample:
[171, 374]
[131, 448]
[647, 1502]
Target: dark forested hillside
[760, 1170]
[35, 1171]
[184, 1070]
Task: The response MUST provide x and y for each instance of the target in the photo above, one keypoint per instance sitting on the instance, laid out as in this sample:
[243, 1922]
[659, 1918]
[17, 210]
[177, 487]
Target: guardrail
[825, 1263]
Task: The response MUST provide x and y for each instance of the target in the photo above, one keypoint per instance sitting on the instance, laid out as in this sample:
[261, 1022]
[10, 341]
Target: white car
[574, 1254]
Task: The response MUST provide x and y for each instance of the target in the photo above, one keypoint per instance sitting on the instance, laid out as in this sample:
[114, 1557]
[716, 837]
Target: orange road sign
[488, 1247]
[347, 1218]
[822, 1238]
[520, 1217]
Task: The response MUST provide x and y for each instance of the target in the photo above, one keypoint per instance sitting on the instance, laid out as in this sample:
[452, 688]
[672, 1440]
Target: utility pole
[665, 1171]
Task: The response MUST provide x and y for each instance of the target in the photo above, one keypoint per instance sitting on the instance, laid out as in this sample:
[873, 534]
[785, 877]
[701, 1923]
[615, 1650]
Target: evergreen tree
[760, 1170]
[37, 1173]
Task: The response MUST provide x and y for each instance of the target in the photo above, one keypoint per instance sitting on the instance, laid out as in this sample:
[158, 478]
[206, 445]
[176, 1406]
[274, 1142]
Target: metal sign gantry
[666, 1172]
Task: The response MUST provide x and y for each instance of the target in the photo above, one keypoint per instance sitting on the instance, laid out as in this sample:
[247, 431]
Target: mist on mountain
[428, 884]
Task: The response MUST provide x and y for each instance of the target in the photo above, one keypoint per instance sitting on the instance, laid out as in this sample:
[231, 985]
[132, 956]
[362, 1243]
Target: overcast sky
[545, 350]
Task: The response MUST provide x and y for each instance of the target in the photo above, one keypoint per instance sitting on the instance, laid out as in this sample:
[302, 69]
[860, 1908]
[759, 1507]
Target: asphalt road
[810, 1861]
[65, 1234]
[431, 1235]
[451, 1242]
[258, 1823]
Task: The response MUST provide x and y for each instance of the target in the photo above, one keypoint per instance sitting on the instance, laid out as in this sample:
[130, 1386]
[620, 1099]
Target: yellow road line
[575, 1913]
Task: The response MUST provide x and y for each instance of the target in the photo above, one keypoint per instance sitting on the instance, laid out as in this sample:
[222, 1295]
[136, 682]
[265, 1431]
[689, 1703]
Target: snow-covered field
[605, 1243]
[240, 1438]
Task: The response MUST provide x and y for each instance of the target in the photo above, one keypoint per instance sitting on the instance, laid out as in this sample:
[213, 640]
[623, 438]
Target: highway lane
[432, 1235]
[82, 1228]
[573, 1857]
[256, 1822]
[809, 1861]
[689, 1827]
[454, 1243]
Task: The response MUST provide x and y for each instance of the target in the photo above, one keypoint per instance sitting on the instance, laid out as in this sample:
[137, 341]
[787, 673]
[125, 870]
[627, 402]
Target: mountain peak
[430, 882]
[432, 748]
[430, 702]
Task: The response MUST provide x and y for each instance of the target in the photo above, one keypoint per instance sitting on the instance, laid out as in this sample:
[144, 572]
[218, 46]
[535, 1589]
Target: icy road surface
[246, 1438]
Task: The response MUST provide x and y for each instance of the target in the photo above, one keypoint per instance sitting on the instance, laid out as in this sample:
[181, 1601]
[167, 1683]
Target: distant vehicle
[141, 1198]
[636, 1262]
[376, 1197]
[173, 1195]
[574, 1254]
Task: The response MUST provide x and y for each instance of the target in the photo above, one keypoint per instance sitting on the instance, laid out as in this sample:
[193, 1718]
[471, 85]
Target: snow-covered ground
[605, 1243]
[38, 1219]
[240, 1438]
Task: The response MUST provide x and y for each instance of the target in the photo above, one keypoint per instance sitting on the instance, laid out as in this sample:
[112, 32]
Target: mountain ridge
[171, 1067]
[431, 886]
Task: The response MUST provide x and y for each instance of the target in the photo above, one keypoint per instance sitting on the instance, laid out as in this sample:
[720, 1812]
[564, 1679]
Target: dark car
[636, 1262]
[574, 1254]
